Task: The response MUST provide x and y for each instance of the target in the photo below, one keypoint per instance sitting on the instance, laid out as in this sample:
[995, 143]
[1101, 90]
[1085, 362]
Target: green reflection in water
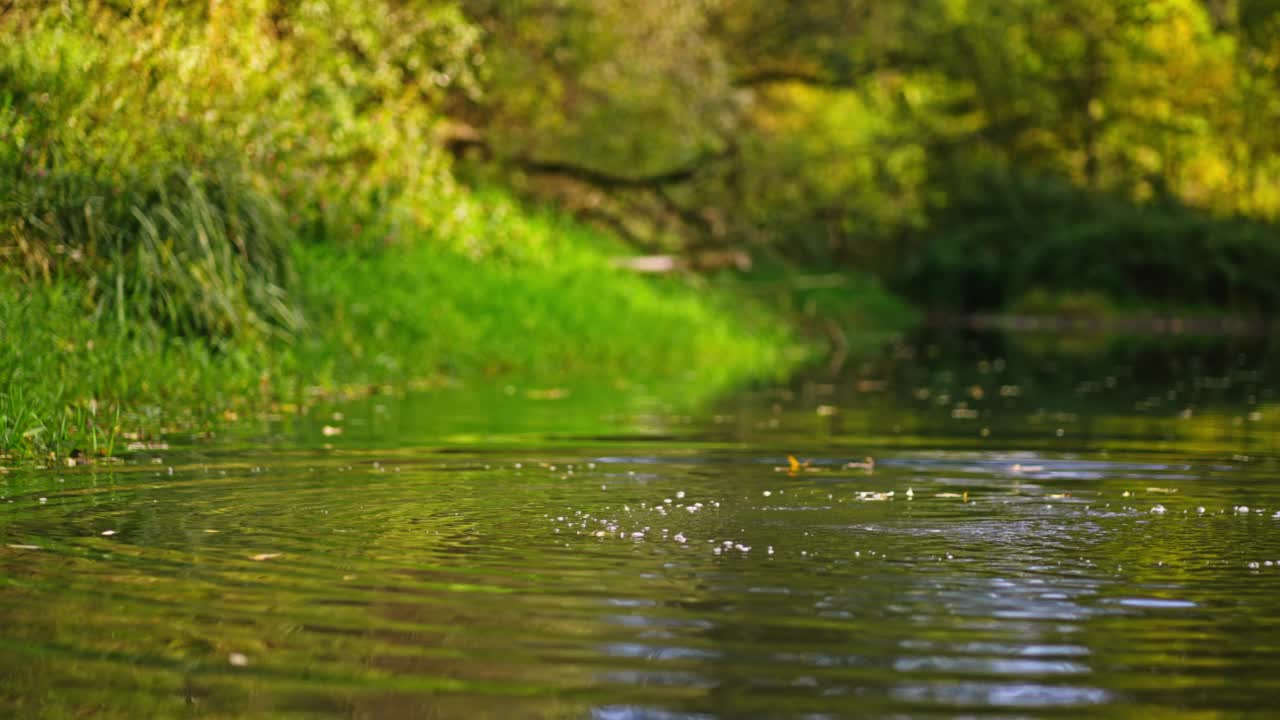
[523, 555]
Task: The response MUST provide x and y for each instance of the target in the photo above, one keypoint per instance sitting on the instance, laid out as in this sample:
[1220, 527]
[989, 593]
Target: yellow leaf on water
[265, 556]
[794, 466]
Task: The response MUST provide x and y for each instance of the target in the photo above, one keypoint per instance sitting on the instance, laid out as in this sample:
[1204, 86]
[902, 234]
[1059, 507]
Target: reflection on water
[648, 561]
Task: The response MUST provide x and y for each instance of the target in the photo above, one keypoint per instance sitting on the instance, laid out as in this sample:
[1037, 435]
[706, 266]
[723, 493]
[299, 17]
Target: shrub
[1002, 237]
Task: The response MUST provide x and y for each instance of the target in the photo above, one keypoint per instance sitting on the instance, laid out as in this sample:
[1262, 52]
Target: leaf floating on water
[330, 431]
[868, 464]
[1167, 491]
[238, 659]
[949, 495]
[794, 466]
[24, 547]
[1059, 496]
[265, 556]
[871, 495]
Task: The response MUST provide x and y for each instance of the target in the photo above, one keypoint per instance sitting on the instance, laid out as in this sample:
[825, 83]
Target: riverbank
[274, 217]
[79, 384]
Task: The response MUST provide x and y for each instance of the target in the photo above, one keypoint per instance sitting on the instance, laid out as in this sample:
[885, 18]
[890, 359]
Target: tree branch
[775, 76]
[460, 138]
[848, 75]
[610, 181]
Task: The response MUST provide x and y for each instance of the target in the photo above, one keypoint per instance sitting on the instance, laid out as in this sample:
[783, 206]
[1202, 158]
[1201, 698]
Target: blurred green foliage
[225, 206]
[834, 134]
[239, 173]
[169, 152]
[850, 134]
[1002, 237]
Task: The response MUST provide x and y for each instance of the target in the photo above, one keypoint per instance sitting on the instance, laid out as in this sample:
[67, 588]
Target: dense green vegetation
[210, 204]
[1013, 243]
[966, 151]
[203, 216]
[423, 315]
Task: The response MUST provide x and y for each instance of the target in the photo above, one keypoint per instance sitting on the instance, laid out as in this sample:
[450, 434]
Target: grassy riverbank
[533, 300]
[203, 215]
[207, 210]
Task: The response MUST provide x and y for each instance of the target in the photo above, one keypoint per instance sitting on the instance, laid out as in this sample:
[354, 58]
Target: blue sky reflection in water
[1052, 527]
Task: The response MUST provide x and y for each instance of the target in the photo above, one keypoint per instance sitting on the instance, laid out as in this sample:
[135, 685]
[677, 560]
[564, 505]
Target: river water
[1050, 527]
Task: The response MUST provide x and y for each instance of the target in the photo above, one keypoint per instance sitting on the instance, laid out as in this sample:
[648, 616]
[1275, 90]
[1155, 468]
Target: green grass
[204, 214]
[526, 296]
[531, 295]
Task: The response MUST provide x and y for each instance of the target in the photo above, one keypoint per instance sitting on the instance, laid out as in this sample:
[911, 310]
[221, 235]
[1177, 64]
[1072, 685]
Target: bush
[1003, 237]
[149, 151]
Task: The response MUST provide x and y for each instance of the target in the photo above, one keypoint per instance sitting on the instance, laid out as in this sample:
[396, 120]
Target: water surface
[1051, 528]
